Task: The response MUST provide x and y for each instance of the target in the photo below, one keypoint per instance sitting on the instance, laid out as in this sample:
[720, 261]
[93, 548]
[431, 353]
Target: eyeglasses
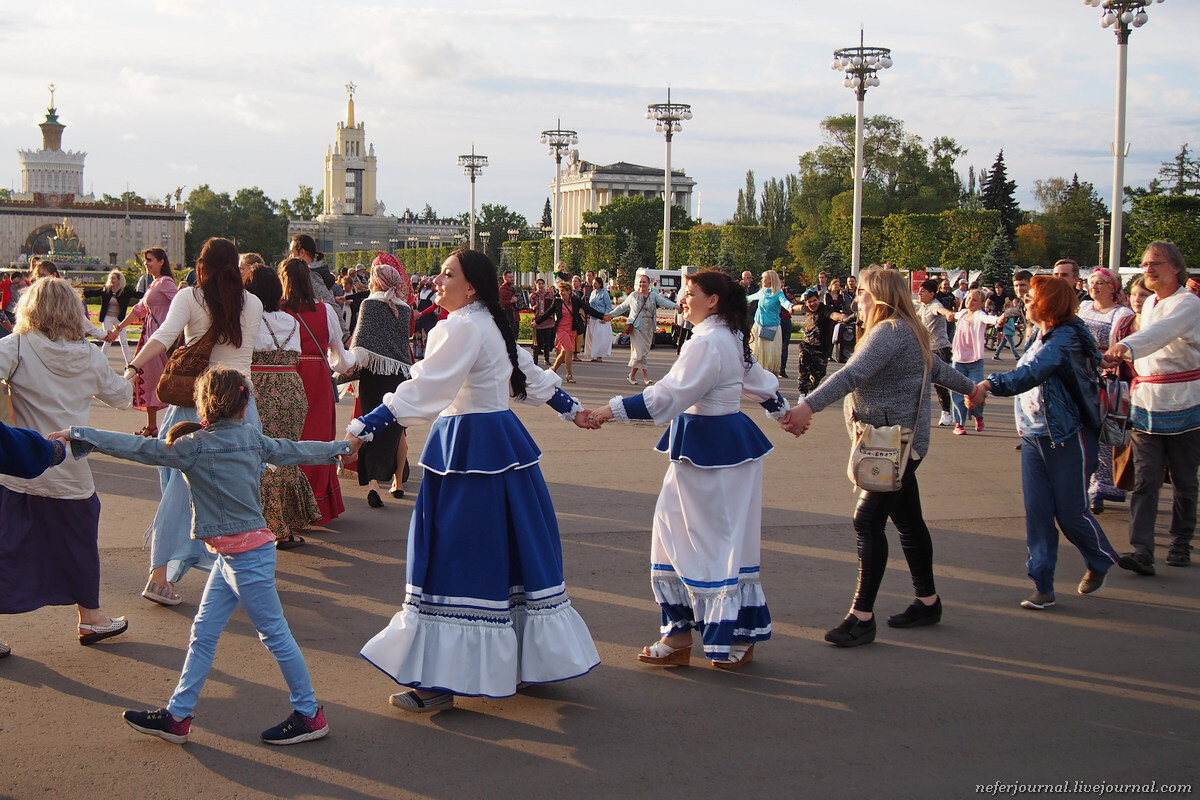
[1156, 263]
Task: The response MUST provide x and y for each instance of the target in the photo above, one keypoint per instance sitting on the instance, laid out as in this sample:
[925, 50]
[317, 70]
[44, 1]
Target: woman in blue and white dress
[704, 550]
[485, 606]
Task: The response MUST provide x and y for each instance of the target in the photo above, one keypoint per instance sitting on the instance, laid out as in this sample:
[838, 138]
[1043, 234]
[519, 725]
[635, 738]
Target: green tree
[629, 263]
[1174, 218]
[547, 214]
[637, 218]
[999, 194]
[496, 219]
[209, 214]
[969, 235]
[125, 198]
[258, 227]
[1181, 175]
[831, 261]
[306, 205]
[997, 265]
[775, 214]
[745, 213]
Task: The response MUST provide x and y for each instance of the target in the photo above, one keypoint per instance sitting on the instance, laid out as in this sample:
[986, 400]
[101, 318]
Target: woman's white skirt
[599, 339]
[705, 554]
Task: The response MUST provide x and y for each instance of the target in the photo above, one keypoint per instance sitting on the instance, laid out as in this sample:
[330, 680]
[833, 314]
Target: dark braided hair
[480, 272]
[731, 304]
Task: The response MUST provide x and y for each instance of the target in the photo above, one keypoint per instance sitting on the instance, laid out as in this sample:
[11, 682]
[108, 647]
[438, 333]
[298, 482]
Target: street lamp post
[668, 118]
[558, 140]
[472, 165]
[861, 65]
[1122, 16]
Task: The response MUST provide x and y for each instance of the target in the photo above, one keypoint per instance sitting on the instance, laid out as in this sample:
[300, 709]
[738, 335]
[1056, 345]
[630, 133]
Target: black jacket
[124, 297]
[579, 307]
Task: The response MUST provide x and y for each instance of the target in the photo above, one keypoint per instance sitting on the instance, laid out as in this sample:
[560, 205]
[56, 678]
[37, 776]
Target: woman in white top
[970, 331]
[704, 550]
[49, 524]
[219, 300]
[485, 606]
[1103, 316]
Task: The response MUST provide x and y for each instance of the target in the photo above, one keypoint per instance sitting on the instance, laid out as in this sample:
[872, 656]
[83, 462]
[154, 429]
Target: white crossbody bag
[879, 454]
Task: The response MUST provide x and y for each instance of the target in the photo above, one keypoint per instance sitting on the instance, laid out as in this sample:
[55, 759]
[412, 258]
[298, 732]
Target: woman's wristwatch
[136, 370]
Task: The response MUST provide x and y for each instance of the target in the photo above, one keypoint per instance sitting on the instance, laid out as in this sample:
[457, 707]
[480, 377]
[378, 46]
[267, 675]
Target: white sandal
[739, 655]
[662, 654]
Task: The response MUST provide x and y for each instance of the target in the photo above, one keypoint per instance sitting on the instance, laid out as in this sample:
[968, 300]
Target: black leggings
[903, 507]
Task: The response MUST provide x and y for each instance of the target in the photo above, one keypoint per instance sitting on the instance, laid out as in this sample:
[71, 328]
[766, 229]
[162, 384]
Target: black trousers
[945, 354]
[903, 508]
[543, 342]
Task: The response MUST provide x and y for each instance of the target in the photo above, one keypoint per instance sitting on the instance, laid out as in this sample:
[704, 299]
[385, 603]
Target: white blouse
[709, 378]
[189, 315]
[285, 327]
[466, 371]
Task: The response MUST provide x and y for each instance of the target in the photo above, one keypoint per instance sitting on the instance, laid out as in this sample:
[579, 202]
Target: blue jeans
[1055, 482]
[247, 579]
[1007, 339]
[974, 371]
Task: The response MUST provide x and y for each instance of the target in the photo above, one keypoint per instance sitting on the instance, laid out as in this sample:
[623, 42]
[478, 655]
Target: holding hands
[978, 398]
[586, 419]
[600, 416]
[797, 420]
[1115, 355]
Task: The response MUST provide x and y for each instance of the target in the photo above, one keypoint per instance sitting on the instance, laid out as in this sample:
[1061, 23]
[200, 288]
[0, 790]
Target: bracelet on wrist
[136, 370]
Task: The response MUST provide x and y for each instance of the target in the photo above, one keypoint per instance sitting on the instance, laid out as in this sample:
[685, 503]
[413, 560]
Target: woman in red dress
[321, 349]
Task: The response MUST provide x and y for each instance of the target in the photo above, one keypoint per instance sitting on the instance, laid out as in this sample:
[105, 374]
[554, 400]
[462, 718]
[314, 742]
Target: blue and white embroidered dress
[485, 605]
[705, 544]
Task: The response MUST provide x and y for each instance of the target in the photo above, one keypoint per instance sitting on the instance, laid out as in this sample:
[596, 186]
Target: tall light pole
[668, 119]
[558, 140]
[860, 64]
[472, 165]
[1122, 16]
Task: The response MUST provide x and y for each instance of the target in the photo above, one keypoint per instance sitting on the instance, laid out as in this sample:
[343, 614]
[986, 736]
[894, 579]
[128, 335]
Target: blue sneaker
[297, 728]
[159, 723]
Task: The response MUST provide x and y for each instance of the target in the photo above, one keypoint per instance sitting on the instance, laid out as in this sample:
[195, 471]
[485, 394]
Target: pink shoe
[978, 424]
[959, 430]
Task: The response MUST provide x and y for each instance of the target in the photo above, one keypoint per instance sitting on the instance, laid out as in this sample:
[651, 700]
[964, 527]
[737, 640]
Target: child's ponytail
[221, 393]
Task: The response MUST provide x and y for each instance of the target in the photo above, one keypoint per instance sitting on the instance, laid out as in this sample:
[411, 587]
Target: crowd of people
[254, 460]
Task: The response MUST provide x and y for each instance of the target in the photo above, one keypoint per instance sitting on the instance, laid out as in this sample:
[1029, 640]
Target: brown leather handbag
[185, 364]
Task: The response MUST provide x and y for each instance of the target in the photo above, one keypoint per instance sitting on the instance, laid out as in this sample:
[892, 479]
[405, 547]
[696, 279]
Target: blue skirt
[48, 552]
[485, 604]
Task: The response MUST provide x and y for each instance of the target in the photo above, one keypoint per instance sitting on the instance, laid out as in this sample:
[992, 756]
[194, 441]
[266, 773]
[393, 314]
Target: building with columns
[590, 187]
[354, 218]
[52, 211]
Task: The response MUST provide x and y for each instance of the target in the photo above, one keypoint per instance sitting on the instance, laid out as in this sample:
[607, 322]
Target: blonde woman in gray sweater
[886, 378]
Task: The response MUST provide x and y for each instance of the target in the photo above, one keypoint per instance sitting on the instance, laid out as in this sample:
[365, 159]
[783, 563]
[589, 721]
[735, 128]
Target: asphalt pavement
[996, 700]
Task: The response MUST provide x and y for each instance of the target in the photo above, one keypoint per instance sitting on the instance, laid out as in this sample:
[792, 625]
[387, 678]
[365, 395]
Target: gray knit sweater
[883, 381]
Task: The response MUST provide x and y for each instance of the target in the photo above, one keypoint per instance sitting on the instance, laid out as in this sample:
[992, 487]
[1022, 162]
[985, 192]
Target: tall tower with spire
[51, 170]
[350, 169]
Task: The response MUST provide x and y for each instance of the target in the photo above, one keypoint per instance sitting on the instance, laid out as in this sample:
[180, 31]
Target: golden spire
[350, 87]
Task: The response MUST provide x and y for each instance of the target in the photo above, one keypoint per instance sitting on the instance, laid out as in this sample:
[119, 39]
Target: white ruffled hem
[714, 606]
[475, 658]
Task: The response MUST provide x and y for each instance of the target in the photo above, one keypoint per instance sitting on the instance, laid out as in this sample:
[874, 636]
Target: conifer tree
[999, 194]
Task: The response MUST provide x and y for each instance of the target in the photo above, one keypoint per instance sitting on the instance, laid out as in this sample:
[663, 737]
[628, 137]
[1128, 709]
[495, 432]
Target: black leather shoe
[917, 614]
[852, 632]
[374, 500]
[1141, 563]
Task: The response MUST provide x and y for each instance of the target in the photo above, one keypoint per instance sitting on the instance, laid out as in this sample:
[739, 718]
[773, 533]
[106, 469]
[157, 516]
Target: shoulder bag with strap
[7, 413]
[186, 363]
[879, 455]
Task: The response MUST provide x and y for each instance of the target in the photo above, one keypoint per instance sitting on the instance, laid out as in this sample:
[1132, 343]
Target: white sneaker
[946, 419]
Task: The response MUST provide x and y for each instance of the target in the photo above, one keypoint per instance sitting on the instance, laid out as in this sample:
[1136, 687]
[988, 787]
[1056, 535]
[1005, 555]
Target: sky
[169, 93]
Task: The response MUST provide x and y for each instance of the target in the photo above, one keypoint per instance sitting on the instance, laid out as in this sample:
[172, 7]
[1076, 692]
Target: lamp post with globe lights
[472, 165]
[1122, 16]
[861, 65]
[558, 140]
[668, 118]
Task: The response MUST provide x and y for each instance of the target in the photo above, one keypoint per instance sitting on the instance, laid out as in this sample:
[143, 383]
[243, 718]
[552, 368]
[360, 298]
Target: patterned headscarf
[1106, 276]
[387, 271]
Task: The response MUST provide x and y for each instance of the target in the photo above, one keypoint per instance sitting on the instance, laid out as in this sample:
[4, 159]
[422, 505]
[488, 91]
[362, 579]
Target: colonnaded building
[353, 217]
[589, 187]
[52, 215]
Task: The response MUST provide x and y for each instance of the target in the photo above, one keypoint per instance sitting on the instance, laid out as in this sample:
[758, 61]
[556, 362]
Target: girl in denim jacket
[221, 459]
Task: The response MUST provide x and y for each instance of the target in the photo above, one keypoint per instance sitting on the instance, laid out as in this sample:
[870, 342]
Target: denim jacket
[222, 465]
[1067, 369]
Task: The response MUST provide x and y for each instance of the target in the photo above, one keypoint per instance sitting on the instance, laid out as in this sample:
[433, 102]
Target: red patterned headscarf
[1107, 276]
[387, 270]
